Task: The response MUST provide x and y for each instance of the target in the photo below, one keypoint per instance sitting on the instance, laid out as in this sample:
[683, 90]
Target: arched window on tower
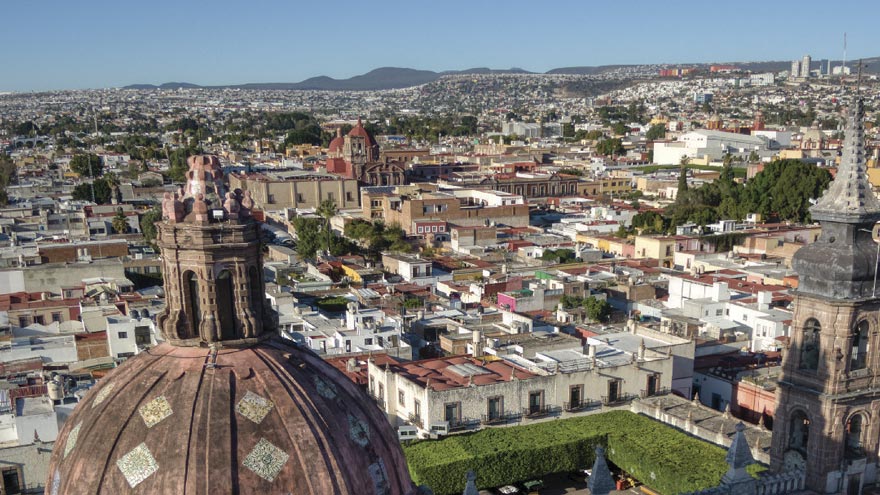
[226, 305]
[858, 358]
[256, 292]
[853, 443]
[809, 358]
[191, 301]
[799, 432]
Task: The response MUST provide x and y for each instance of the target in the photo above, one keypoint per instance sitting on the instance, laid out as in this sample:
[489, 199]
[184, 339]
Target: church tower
[211, 261]
[828, 414]
[226, 404]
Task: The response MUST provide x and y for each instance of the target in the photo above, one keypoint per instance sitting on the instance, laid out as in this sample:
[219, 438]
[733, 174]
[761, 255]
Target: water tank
[56, 390]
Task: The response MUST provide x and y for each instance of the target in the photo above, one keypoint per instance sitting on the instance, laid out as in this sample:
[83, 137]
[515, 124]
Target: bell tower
[212, 262]
[828, 413]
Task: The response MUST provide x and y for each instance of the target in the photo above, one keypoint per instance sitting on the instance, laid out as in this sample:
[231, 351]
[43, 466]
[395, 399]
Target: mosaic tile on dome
[254, 407]
[103, 394]
[266, 460]
[72, 437]
[137, 465]
[155, 411]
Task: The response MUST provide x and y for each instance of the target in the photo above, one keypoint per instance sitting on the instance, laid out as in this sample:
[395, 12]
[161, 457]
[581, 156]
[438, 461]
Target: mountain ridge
[402, 77]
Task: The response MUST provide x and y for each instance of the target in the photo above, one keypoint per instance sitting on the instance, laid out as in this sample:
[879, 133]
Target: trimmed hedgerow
[660, 456]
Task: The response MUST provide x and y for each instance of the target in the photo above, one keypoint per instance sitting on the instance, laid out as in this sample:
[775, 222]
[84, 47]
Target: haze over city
[97, 44]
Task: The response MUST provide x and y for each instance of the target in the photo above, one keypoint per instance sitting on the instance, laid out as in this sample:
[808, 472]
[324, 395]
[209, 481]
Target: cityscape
[626, 276]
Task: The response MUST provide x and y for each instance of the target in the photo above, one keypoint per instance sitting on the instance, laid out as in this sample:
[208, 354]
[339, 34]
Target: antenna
[843, 67]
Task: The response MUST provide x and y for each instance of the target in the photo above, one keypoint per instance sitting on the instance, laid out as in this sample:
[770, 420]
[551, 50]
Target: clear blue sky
[54, 44]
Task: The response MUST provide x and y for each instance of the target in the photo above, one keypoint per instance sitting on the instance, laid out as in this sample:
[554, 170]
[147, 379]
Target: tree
[327, 209]
[608, 147]
[308, 236]
[657, 131]
[8, 177]
[87, 165]
[148, 224]
[619, 129]
[597, 309]
[103, 191]
[120, 222]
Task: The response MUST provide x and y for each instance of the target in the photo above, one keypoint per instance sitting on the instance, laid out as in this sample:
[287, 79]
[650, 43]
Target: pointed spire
[470, 487]
[849, 198]
[601, 482]
[739, 456]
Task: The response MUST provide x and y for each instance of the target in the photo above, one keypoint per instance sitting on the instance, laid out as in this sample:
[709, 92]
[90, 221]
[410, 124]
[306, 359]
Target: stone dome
[264, 418]
[337, 143]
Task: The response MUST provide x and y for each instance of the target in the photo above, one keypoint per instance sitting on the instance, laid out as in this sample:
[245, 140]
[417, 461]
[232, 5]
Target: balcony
[463, 424]
[415, 420]
[584, 405]
[379, 401]
[500, 419]
[660, 391]
[618, 400]
[538, 412]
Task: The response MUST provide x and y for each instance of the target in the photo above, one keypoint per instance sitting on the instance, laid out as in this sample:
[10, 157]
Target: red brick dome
[359, 131]
[267, 418]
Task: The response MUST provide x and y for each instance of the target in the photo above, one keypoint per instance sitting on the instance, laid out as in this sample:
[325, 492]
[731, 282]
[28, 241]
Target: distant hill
[398, 77]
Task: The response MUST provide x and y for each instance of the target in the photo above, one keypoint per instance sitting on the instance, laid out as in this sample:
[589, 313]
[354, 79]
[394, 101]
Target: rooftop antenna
[843, 67]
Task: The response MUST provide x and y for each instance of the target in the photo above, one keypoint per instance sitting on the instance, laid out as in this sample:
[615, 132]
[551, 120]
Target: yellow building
[660, 248]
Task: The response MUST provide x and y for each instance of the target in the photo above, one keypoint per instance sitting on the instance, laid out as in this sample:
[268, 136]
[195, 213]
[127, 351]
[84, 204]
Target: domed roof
[266, 418]
[359, 131]
[337, 143]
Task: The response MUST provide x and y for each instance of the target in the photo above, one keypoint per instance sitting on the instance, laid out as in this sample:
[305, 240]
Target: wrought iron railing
[582, 405]
[617, 400]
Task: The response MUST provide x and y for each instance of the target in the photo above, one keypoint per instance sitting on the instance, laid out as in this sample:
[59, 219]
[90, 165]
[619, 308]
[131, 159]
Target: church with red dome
[356, 156]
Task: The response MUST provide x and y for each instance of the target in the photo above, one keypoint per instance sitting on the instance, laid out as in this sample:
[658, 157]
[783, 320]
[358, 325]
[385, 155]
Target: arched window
[256, 291]
[858, 357]
[810, 345]
[191, 301]
[799, 431]
[853, 443]
[226, 305]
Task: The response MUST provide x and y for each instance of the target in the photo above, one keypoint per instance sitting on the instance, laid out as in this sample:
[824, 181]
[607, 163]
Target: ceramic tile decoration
[254, 407]
[266, 460]
[56, 482]
[71, 439]
[325, 389]
[155, 411]
[359, 431]
[103, 394]
[137, 465]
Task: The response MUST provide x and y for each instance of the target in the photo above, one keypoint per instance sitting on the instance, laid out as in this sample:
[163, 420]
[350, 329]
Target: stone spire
[601, 482]
[841, 264]
[739, 456]
[849, 198]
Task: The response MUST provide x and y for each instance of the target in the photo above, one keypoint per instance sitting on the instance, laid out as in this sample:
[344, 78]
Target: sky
[56, 44]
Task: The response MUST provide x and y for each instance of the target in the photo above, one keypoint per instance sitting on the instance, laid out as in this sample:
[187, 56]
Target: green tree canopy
[120, 222]
[87, 165]
[103, 191]
[612, 146]
[657, 131]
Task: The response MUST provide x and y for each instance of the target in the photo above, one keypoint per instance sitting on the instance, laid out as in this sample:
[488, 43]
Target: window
[122, 335]
[372, 384]
[368, 341]
[421, 229]
[613, 391]
[853, 443]
[653, 385]
[452, 412]
[799, 431]
[417, 409]
[575, 396]
[271, 199]
[495, 407]
[536, 401]
[300, 198]
[349, 196]
[39, 320]
[23, 321]
[11, 480]
[858, 356]
[809, 351]
[56, 317]
[719, 312]
[401, 398]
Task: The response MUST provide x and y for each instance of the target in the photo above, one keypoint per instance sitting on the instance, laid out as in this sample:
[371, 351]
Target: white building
[710, 144]
[128, 336]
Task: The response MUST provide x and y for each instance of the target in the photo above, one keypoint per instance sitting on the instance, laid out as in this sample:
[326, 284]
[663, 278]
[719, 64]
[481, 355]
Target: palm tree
[328, 210]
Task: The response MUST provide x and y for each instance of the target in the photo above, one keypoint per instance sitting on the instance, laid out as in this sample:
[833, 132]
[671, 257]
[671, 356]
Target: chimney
[477, 337]
[642, 350]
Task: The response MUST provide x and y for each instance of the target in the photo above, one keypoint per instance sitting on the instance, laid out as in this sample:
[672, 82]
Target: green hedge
[666, 459]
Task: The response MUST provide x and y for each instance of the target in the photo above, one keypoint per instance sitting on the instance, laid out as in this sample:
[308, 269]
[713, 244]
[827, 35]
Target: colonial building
[299, 189]
[828, 417]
